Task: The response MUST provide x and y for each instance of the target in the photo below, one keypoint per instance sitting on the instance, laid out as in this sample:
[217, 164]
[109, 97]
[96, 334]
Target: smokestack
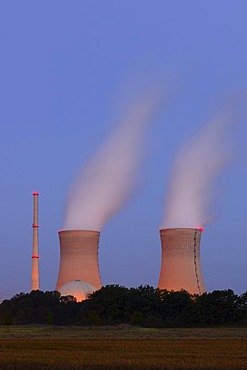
[79, 257]
[180, 264]
[35, 249]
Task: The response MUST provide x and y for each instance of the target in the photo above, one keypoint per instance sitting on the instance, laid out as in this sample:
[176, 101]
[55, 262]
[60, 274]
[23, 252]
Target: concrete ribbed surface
[79, 257]
[180, 263]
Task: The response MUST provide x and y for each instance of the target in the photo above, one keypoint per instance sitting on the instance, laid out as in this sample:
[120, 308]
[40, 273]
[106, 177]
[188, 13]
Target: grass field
[122, 348]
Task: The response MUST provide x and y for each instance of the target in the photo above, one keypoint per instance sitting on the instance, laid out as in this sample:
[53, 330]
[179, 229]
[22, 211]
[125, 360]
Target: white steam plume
[194, 173]
[110, 177]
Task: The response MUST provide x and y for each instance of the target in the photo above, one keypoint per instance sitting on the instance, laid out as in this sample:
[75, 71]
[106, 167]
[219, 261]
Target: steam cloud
[195, 170]
[110, 177]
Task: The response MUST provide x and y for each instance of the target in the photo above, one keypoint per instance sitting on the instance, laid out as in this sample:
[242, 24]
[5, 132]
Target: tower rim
[78, 230]
[181, 228]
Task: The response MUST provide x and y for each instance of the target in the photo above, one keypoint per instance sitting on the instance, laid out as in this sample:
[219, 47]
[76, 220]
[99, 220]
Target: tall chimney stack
[180, 264]
[35, 249]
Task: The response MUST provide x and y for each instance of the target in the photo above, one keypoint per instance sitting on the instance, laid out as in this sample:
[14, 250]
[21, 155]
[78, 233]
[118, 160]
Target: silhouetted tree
[113, 304]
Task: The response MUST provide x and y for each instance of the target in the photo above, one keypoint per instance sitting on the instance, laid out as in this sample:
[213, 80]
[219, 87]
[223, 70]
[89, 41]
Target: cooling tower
[180, 264]
[79, 257]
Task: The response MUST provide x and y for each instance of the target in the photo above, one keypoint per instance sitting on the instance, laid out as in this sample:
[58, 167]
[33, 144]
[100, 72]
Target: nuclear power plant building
[78, 261]
[180, 263]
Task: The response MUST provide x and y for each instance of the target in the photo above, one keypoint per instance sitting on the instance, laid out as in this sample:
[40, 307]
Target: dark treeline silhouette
[113, 305]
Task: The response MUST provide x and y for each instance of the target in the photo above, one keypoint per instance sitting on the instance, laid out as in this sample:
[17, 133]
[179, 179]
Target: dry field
[122, 348]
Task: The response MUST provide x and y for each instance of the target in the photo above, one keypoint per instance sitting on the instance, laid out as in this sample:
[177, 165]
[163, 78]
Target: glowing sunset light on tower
[35, 248]
[181, 266]
[103, 187]
[191, 191]
[79, 258]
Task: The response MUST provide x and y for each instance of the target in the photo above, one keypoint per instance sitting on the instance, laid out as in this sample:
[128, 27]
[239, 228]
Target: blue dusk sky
[68, 69]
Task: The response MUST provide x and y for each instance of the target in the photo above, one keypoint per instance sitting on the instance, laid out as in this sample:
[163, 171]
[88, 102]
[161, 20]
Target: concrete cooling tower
[180, 264]
[79, 259]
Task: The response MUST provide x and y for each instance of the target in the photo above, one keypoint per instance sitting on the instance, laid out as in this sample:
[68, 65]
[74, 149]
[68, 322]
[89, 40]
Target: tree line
[113, 305]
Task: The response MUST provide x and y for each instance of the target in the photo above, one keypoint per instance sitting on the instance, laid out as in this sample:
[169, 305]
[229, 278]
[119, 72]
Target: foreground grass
[122, 348]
